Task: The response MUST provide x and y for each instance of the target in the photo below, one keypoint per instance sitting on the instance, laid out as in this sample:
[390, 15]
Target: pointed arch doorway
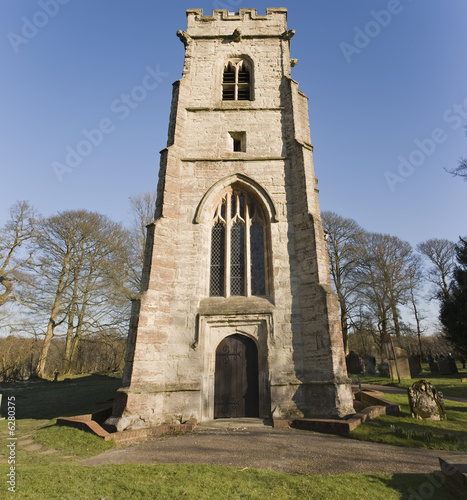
[236, 392]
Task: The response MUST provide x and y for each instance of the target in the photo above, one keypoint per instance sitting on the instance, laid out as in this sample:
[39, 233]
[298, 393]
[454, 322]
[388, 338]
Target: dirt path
[251, 444]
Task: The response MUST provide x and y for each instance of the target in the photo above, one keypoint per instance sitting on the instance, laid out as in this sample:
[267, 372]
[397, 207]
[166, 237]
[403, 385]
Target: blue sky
[386, 82]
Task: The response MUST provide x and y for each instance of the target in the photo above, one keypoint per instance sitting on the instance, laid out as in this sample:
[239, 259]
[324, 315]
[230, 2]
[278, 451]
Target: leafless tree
[416, 280]
[383, 273]
[342, 236]
[83, 257]
[17, 246]
[142, 210]
[460, 170]
[441, 254]
[17, 359]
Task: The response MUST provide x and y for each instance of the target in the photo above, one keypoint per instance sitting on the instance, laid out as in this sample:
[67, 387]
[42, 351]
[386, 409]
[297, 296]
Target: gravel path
[247, 443]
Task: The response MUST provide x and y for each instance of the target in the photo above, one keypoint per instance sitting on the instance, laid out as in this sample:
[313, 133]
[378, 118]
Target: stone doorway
[236, 391]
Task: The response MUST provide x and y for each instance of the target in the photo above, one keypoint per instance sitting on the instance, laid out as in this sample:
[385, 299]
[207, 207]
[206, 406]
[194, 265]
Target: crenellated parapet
[224, 23]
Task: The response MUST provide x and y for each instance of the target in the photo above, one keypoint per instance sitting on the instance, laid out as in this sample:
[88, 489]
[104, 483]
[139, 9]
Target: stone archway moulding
[242, 180]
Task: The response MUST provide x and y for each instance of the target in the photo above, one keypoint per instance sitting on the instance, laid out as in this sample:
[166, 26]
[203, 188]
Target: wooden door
[236, 378]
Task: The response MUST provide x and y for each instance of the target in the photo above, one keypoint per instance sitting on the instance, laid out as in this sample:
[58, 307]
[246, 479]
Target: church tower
[236, 317]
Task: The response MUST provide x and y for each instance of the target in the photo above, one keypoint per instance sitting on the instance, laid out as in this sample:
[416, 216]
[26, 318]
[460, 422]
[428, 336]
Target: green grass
[37, 406]
[209, 482]
[52, 444]
[449, 385]
[58, 475]
[50, 470]
[48, 400]
[403, 430]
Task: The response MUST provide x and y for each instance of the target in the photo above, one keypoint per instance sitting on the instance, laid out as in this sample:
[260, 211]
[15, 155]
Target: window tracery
[238, 246]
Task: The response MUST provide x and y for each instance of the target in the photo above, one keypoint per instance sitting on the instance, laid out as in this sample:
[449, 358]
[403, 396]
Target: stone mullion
[247, 250]
[267, 259]
[228, 225]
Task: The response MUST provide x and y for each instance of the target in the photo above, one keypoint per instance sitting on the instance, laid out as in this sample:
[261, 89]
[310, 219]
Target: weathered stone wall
[176, 328]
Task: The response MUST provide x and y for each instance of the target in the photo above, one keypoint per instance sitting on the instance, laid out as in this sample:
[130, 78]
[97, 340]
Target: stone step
[454, 469]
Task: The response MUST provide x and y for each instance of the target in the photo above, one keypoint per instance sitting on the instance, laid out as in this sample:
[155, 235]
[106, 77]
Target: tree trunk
[344, 324]
[79, 327]
[62, 283]
[69, 340]
[395, 317]
[417, 321]
[40, 370]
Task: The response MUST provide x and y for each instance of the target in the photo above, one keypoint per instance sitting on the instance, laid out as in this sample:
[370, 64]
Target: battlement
[223, 22]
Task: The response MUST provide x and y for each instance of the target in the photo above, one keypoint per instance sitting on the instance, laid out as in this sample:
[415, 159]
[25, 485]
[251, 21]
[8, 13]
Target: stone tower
[236, 316]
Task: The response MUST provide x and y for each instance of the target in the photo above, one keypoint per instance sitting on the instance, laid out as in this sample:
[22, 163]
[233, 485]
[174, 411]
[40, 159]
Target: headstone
[426, 403]
[403, 368]
[415, 366]
[370, 365]
[354, 364]
[445, 367]
[434, 368]
[383, 369]
[452, 364]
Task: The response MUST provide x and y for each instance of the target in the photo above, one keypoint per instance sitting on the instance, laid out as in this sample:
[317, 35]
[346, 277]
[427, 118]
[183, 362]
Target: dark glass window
[237, 259]
[258, 274]
[245, 229]
[217, 260]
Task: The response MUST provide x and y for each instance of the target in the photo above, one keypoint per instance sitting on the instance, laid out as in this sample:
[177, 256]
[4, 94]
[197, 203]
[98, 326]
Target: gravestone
[452, 364]
[426, 403]
[354, 363]
[434, 368]
[370, 365]
[415, 366]
[383, 369]
[446, 366]
[402, 364]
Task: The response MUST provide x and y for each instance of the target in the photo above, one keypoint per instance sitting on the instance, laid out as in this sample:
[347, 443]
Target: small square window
[238, 141]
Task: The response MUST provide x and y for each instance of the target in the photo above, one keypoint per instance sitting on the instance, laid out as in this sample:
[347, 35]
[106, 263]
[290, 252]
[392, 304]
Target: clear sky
[386, 82]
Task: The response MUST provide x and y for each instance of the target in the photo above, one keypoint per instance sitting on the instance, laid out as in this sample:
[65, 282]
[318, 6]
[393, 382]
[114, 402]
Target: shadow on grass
[449, 385]
[416, 486]
[413, 433]
[45, 400]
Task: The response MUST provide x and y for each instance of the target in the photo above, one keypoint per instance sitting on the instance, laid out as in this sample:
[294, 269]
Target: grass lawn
[403, 430]
[170, 482]
[42, 475]
[47, 400]
[47, 460]
[449, 385]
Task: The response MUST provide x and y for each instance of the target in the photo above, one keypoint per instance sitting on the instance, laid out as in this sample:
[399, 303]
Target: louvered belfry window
[238, 262]
[236, 80]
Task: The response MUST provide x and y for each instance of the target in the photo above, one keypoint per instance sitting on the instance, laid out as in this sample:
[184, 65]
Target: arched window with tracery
[238, 246]
[236, 80]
